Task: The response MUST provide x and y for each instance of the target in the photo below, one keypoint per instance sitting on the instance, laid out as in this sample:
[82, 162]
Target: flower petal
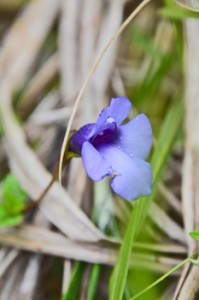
[119, 109]
[79, 137]
[134, 183]
[135, 137]
[133, 176]
[95, 165]
[116, 112]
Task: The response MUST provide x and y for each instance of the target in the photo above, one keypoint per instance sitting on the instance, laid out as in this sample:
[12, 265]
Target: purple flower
[111, 149]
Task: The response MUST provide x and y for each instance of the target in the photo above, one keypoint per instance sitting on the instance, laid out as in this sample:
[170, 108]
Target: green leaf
[194, 235]
[13, 202]
[168, 133]
[9, 220]
[13, 195]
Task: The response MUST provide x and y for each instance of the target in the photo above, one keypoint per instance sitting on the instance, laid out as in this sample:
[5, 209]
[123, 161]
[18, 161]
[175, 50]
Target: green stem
[165, 275]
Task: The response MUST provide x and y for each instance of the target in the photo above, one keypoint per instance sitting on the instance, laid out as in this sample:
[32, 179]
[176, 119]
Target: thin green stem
[32, 205]
[165, 275]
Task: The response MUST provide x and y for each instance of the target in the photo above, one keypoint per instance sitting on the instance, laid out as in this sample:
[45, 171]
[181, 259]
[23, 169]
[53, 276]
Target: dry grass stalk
[171, 198]
[166, 224]
[7, 259]
[15, 60]
[38, 83]
[27, 168]
[36, 239]
[188, 285]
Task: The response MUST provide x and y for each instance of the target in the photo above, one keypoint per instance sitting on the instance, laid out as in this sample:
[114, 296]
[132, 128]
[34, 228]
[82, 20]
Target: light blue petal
[135, 137]
[95, 165]
[132, 176]
[119, 109]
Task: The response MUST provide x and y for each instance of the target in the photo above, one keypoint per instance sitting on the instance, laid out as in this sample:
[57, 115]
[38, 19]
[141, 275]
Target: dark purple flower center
[104, 134]
[108, 135]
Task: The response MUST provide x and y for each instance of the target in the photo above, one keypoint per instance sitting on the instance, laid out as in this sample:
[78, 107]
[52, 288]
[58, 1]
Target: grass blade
[118, 279]
[93, 282]
[75, 282]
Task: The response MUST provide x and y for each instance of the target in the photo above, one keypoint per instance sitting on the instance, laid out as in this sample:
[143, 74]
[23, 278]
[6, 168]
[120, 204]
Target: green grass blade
[93, 281]
[170, 129]
[75, 282]
[118, 279]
